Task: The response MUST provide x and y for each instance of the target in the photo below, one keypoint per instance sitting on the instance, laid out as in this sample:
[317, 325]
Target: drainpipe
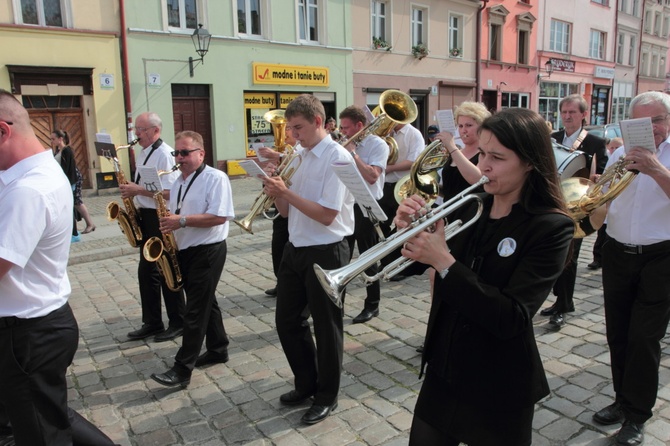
[126, 81]
[478, 51]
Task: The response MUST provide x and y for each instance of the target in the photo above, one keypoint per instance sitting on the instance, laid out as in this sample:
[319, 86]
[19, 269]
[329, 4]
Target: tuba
[423, 178]
[396, 108]
[264, 202]
[164, 251]
[129, 218]
[583, 197]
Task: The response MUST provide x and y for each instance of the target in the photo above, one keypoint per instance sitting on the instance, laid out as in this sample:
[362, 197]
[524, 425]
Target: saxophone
[129, 218]
[164, 251]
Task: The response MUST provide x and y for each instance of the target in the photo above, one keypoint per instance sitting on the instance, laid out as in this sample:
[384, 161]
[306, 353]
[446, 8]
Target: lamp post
[548, 68]
[201, 38]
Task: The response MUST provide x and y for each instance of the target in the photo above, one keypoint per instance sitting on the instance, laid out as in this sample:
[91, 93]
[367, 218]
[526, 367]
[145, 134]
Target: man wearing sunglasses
[201, 203]
[155, 152]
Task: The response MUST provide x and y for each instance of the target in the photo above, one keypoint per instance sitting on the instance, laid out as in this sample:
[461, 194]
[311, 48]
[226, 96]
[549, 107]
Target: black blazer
[591, 144]
[480, 338]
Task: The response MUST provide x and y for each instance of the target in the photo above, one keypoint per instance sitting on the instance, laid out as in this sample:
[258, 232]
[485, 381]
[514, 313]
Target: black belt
[627, 248]
[11, 321]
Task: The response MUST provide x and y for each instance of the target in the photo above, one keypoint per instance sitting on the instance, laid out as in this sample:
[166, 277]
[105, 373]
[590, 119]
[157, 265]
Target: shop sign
[259, 126]
[566, 66]
[260, 100]
[281, 74]
[604, 72]
[286, 98]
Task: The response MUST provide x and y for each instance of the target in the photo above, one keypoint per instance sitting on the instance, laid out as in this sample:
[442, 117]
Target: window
[597, 45]
[644, 69]
[455, 35]
[620, 42]
[249, 17]
[495, 42]
[601, 2]
[657, 24]
[631, 51]
[622, 5]
[654, 65]
[42, 12]
[379, 20]
[635, 10]
[514, 100]
[559, 39]
[661, 67]
[182, 14]
[308, 12]
[523, 45]
[666, 26]
[647, 22]
[418, 27]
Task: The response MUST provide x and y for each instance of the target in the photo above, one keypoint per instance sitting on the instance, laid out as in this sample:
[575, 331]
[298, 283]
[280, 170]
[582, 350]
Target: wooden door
[194, 114]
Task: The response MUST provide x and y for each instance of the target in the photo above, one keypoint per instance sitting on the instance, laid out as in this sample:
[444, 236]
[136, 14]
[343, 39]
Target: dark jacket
[68, 163]
[480, 338]
[591, 145]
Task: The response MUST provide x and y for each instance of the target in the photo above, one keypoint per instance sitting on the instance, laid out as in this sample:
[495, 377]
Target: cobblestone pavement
[237, 403]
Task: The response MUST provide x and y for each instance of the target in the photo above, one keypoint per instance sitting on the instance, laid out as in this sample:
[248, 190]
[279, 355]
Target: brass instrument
[583, 197]
[396, 108]
[423, 178]
[129, 218]
[334, 281]
[285, 170]
[164, 252]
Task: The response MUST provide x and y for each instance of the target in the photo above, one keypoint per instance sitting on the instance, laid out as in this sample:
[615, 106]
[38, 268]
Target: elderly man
[155, 152]
[636, 283]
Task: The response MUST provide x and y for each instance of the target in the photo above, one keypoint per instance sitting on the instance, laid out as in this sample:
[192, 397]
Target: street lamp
[201, 38]
[549, 68]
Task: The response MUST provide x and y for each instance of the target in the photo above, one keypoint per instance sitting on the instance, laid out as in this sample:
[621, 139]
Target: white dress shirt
[375, 152]
[161, 159]
[410, 145]
[641, 214]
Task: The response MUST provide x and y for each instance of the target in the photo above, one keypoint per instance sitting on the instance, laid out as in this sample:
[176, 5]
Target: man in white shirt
[636, 283]
[155, 152]
[201, 203]
[370, 155]
[38, 332]
[320, 216]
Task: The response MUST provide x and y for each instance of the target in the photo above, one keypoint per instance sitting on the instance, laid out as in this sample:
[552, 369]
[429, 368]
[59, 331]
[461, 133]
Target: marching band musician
[370, 156]
[491, 278]
[320, 216]
[155, 152]
[199, 214]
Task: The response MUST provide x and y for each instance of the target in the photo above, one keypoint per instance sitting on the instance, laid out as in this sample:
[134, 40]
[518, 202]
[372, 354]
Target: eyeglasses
[7, 122]
[184, 152]
[659, 119]
[143, 129]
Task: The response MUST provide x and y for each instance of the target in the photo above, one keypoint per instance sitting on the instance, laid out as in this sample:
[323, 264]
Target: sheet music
[103, 137]
[348, 173]
[252, 169]
[638, 133]
[149, 179]
[446, 123]
[368, 114]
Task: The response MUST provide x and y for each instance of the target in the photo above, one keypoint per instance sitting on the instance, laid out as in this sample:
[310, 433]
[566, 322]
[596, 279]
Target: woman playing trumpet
[483, 369]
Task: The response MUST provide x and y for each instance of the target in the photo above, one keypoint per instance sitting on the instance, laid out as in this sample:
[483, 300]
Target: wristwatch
[443, 273]
[353, 154]
[182, 222]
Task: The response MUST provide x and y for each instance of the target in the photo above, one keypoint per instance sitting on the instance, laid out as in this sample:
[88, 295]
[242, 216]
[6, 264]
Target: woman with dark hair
[63, 153]
[483, 370]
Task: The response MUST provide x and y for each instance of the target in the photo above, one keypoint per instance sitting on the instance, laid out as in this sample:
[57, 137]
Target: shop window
[514, 100]
[42, 12]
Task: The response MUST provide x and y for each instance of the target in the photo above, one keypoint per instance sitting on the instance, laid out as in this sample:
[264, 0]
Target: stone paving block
[195, 432]
[378, 433]
[380, 406]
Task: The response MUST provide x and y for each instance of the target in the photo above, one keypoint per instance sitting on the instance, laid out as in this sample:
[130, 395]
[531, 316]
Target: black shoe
[594, 265]
[398, 278]
[145, 332]
[271, 292]
[171, 378]
[168, 334]
[365, 316]
[293, 398]
[630, 434]
[208, 358]
[7, 440]
[549, 311]
[611, 414]
[420, 349]
[557, 320]
[317, 413]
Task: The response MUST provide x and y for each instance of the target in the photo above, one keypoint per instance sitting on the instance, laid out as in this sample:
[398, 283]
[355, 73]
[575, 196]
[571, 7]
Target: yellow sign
[286, 98]
[260, 100]
[280, 74]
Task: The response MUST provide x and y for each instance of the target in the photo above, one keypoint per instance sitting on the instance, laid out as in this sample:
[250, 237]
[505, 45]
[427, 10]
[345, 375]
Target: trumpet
[127, 219]
[334, 281]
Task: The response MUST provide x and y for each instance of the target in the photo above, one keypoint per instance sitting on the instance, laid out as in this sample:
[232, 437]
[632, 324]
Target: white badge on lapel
[506, 247]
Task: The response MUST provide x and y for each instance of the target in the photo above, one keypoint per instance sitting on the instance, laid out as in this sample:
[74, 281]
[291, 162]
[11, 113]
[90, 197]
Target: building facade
[653, 50]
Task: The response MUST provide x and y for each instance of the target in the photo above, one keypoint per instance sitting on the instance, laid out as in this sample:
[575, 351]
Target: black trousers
[34, 357]
[564, 288]
[389, 205]
[636, 288]
[366, 237]
[201, 268]
[151, 282]
[279, 240]
[316, 368]
[598, 244]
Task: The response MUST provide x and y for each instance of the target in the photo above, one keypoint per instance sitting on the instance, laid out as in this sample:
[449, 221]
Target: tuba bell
[423, 178]
[396, 108]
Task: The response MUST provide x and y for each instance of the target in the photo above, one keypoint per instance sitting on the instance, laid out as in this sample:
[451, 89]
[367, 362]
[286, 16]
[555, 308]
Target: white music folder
[348, 173]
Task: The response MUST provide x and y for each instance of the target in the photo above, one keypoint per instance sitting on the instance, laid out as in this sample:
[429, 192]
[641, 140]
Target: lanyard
[154, 146]
[179, 197]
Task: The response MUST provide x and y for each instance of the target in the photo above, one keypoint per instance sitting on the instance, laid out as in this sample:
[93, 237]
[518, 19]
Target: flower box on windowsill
[380, 44]
[456, 52]
[419, 51]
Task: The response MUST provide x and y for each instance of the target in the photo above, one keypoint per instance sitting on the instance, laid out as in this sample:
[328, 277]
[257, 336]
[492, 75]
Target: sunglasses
[183, 153]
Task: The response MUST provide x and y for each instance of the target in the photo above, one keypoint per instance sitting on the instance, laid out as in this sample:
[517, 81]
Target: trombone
[334, 281]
